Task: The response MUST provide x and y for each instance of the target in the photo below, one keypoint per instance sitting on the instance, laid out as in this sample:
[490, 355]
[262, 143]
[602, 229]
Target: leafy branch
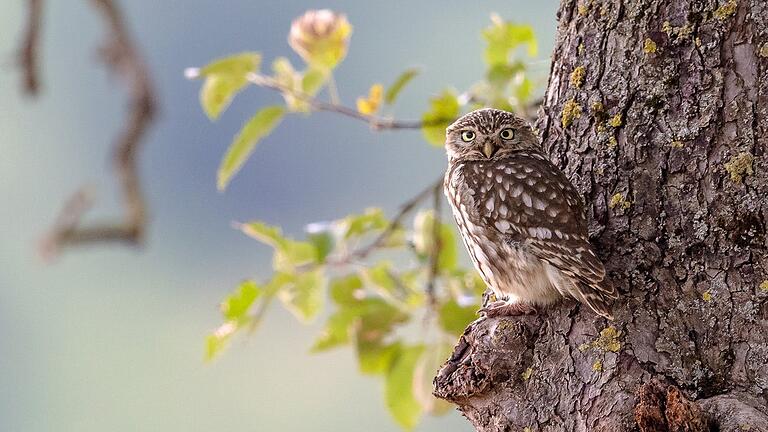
[376, 123]
[378, 273]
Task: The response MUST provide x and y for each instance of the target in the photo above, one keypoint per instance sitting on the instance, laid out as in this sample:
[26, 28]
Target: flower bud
[320, 37]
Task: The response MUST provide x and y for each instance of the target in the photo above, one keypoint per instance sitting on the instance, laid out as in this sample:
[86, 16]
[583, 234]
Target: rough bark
[658, 112]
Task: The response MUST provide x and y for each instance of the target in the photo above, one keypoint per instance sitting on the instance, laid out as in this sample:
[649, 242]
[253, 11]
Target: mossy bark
[669, 114]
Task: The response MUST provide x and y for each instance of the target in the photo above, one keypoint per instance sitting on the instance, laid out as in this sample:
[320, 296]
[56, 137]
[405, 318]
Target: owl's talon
[502, 308]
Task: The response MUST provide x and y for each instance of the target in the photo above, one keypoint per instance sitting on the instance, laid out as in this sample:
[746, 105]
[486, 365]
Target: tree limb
[28, 53]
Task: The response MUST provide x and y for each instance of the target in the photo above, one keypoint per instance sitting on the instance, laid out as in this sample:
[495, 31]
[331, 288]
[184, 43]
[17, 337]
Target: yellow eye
[507, 134]
[467, 135]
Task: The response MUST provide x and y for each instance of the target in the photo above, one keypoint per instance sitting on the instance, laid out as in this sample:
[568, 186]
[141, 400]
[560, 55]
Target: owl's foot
[502, 308]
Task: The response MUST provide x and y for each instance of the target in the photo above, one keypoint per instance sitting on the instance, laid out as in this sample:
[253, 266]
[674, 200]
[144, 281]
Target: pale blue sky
[110, 338]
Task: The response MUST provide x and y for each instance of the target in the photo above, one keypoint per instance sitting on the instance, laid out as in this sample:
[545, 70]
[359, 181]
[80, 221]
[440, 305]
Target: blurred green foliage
[378, 274]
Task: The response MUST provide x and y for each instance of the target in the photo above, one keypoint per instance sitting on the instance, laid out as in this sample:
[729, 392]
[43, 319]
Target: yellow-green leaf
[424, 240]
[323, 243]
[336, 331]
[454, 318]
[237, 64]
[296, 83]
[374, 358]
[344, 289]
[218, 340]
[236, 305]
[394, 90]
[259, 126]
[360, 224]
[370, 104]
[503, 37]
[264, 233]
[305, 294]
[398, 387]
[442, 112]
[313, 80]
[289, 253]
[381, 276]
[293, 254]
[224, 78]
[217, 92]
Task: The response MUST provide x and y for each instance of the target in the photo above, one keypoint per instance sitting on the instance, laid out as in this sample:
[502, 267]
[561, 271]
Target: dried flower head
[320, 37]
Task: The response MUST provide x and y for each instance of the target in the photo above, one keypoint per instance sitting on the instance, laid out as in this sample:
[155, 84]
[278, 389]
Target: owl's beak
[489, 149]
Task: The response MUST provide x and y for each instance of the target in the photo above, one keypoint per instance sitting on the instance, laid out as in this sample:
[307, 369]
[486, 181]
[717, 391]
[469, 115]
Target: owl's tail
[599, 298]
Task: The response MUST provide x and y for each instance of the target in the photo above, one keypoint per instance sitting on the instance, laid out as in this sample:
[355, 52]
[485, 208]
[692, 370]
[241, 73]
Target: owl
[521, 219]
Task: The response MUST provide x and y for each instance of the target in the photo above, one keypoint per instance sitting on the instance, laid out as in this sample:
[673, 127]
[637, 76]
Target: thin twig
[434, 256]
[121, 57]
[376, 123]
[30, 45]
[333, 90]
[396, 222]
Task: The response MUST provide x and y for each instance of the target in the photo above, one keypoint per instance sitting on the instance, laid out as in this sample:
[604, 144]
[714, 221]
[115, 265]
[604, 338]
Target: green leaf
[217, 341]
[336, 331]
[343, 290]
[214, 346]
[323, 243]
[424, 241]
[375, 358]
[394, 90]
[308, 82]
[224, 78]
[217, 93]
[289, 253]
[259, 126]
[442, 112]
[267, 234]
[293, 254]
[313, 80]
[377, 320]
[357, 225]
[454, 318]
[382, 276]
[398, 387]
[523, 91]
[370, 320]
[234, 65]
[236, 305]
[305, 294]
[502, 37]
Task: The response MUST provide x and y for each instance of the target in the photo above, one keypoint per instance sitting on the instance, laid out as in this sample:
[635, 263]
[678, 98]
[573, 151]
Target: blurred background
[111, 338]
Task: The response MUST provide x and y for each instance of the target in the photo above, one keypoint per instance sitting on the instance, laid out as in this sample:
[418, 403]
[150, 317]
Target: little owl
[520, 217]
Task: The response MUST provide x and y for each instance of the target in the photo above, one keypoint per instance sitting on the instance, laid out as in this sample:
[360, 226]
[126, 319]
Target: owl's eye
[507, 134]
[467, 135]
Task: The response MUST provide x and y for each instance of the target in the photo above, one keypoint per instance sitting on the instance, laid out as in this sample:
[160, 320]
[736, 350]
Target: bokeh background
[110, 338]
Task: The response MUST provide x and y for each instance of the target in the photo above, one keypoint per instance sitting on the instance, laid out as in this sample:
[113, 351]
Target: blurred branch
[28, 53]
[376, 123]
[122, 59]
[396, 222]
[434, 255]
[381, 239]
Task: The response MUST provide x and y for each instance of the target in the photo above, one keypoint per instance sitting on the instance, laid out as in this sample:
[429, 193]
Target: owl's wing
[533, 202]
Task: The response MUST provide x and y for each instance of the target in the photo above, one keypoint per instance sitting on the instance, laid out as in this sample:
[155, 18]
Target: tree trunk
[658, 112]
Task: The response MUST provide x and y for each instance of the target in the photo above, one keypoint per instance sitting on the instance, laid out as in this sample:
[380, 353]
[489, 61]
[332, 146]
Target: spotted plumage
[521, 219]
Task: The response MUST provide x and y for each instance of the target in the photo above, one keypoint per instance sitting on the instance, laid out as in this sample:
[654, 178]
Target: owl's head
[488, 134]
